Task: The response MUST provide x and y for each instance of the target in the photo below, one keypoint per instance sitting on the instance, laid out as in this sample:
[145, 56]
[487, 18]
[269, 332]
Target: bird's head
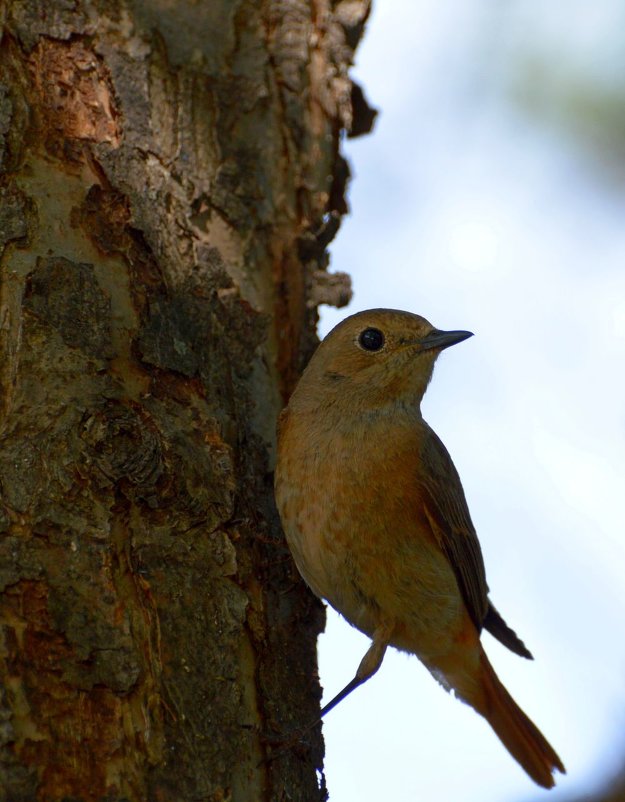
[378, 356]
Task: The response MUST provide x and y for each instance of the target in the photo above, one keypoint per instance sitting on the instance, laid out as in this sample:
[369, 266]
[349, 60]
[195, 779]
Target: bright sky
[479, 217]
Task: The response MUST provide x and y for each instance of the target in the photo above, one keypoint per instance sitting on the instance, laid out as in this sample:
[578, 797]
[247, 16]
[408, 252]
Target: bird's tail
[519, 735]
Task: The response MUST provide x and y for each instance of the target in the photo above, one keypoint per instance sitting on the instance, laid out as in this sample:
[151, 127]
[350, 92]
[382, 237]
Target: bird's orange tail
[519, 735]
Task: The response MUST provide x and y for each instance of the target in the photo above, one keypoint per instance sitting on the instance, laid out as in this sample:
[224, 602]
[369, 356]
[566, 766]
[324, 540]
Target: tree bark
[170, 180]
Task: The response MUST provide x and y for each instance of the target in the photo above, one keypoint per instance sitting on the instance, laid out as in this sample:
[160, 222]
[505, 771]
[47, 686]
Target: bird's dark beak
[443, 339]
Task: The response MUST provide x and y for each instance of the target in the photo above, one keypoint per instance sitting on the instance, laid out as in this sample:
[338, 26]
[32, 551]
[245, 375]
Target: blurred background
[491, 197]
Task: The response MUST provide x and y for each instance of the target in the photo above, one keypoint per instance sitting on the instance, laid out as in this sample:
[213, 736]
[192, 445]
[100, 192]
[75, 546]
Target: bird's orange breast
[359, 534]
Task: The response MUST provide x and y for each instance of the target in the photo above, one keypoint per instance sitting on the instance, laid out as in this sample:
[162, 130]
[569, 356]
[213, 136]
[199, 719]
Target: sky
[474, 206]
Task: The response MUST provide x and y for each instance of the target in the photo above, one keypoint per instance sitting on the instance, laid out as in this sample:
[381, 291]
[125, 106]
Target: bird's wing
[498, 628]
[447, 511]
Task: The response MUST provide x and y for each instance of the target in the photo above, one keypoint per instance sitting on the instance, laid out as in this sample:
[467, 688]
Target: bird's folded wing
[446, 509]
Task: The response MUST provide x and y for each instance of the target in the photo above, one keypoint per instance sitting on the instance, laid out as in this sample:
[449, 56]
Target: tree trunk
[170, 180]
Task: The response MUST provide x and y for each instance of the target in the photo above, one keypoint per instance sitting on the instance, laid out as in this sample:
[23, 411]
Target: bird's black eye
[371, 339]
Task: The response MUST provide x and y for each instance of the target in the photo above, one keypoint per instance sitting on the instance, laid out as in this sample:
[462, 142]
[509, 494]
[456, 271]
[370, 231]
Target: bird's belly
[370, 570]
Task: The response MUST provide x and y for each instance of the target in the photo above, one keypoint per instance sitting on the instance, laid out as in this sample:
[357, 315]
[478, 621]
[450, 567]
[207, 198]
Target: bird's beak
[443, 339]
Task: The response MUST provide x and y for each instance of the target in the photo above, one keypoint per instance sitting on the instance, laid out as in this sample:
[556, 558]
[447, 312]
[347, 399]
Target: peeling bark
[170, 178]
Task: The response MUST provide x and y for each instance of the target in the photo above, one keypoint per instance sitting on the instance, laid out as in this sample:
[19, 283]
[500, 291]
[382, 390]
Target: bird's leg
[367, 668]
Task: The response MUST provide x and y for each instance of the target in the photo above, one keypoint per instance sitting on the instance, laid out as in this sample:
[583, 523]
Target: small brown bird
[377, 521]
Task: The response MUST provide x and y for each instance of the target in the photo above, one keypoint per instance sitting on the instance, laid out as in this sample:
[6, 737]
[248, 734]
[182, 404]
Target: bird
[376, 518]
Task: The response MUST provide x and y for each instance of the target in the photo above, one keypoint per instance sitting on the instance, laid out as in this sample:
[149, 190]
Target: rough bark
[170, 179]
